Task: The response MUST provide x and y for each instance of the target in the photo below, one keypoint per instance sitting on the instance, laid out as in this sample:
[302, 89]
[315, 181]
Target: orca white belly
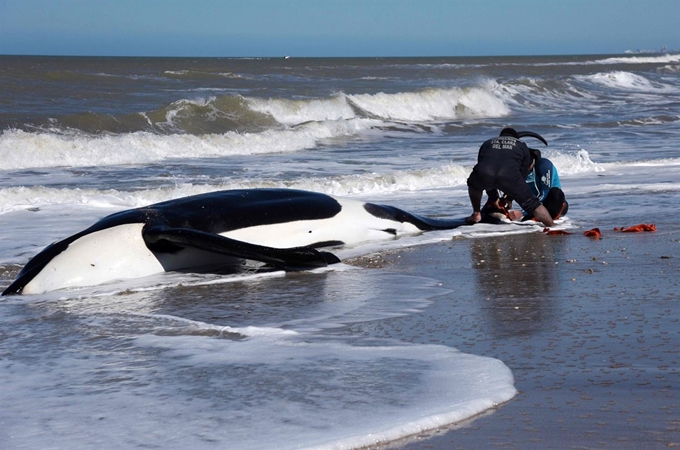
[352, 225]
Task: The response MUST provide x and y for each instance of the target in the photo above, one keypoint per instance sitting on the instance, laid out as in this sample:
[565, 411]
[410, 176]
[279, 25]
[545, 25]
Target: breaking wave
[228, 125]
[651, 59]
[624, 80]
[234, 125]
[237, 113]
[448, 175]
[25, 150]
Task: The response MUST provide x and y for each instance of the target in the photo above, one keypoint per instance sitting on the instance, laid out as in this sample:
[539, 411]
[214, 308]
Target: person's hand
[515, 214]
[542, 215]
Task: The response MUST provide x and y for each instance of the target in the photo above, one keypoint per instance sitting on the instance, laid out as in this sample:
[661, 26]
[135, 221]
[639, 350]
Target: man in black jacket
[504, 163]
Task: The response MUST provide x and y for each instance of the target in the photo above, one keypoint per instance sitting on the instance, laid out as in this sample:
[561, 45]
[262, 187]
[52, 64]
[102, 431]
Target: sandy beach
[589, 328]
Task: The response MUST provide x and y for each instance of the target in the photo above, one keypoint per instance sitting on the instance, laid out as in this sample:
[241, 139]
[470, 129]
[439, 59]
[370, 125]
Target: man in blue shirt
[544, 182]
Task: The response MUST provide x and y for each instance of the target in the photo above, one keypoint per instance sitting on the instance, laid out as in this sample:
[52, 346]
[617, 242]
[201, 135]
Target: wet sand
[590, 329]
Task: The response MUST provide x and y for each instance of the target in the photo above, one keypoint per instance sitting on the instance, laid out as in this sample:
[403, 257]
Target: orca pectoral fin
[297, 258]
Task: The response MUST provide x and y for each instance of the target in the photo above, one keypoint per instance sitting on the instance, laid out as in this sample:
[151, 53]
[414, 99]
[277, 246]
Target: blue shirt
[543, 178]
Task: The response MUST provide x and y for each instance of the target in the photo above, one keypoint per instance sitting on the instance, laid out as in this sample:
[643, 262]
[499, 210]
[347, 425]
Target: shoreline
[588, 327]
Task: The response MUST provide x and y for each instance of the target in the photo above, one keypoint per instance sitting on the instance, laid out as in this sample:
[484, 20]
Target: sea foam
[297, 125]
[651, 59]
[624, 80]
[25, 150]
[434, 104]
[569, 162]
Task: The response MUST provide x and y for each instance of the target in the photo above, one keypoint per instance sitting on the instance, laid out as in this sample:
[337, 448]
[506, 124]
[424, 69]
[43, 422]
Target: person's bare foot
[474, 218]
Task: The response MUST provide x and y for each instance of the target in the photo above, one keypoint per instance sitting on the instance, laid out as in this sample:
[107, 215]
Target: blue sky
[336, 28]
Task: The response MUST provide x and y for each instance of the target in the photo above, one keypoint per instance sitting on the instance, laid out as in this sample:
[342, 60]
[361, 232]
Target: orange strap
[637, 228]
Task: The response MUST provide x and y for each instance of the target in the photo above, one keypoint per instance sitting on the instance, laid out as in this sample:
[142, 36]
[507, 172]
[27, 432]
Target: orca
[282, 228]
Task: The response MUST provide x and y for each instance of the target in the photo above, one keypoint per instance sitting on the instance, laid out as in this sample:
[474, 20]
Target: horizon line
[291, 56]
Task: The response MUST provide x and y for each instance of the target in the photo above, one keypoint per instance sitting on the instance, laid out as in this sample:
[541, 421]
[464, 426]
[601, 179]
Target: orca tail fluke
[421, 222]
[521, 134]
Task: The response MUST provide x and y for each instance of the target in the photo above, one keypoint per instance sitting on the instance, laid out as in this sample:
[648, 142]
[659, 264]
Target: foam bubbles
[288, 125]
[24, 150]
[433, 104]
[623, 80]
[141, 367]
[658, 59]
[573, 162]
[294, 112]
[20, 197]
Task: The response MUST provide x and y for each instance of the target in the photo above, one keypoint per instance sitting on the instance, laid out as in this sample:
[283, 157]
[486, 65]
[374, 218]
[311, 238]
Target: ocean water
[275, 360]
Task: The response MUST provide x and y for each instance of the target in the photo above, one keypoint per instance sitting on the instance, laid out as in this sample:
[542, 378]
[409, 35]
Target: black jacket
[503, 163]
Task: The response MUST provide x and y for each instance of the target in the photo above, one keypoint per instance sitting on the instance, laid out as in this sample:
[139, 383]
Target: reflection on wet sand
[516, 282]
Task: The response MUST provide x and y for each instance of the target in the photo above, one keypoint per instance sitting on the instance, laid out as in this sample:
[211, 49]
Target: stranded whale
[282, 228]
